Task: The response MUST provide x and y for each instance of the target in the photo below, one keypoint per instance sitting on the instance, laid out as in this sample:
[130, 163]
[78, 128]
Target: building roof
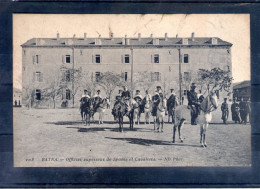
[117, 42]
[242, 84]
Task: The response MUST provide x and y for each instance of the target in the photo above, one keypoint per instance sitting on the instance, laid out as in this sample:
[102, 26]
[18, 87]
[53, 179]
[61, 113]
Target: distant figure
[249, 109]
[15, 103]
[225, 111]
[19, 104]
[235, 110]
[244, 110]
[156, 100]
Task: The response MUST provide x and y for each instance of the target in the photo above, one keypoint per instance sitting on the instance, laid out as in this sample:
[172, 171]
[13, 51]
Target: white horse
[183, 113]
[101, 109]
[160, 114]
[147, 110]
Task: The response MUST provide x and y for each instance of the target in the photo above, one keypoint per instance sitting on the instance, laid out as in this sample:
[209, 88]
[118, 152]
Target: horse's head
[214, 99]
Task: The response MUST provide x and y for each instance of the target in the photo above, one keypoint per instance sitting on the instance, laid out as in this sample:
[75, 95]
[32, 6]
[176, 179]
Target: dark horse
[86, 109]
[122, 109]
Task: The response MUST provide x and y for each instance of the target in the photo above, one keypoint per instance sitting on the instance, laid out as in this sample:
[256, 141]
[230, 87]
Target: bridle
[213, 106]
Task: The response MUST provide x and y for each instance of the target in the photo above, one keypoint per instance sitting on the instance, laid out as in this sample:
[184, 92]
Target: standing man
[235, 110]
[249, 109]
[98, 99]
[225, 112]
[171, 105]
[243, 110]
[193, 104]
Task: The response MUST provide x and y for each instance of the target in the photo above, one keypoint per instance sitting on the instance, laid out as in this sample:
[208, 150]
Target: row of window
[38, 94]
[66, 76]
[98, 59]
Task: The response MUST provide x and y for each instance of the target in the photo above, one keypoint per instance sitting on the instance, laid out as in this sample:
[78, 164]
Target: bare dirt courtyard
[48, 137]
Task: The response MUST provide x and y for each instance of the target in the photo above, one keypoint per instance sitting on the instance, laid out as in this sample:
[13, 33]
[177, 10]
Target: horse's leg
[179, 129]
[99, 118]
[204, 134]
[201, 135]
[174, 131]
[162, 122]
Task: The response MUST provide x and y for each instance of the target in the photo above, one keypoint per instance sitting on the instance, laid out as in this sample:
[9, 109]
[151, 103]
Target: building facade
[165, 59]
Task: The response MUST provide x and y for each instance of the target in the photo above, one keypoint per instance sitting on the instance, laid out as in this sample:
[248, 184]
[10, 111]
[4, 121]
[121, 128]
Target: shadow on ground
[97, 129]
[148, 142]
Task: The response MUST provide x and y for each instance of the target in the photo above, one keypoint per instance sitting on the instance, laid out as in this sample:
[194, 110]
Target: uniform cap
[137, 91]
[172, 90]
[98, 91]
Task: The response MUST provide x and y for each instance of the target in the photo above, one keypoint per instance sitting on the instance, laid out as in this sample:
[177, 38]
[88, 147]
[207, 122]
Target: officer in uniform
[138, 96]
[171, 104]
[98, 99]
[126, 94]
[224, 109]
[156, 100]
[193, 104]
[139, 99]
[84, 97]
[235, 110]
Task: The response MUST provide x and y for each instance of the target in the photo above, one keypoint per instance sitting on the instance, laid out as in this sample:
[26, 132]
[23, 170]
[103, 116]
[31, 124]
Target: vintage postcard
[131, 90]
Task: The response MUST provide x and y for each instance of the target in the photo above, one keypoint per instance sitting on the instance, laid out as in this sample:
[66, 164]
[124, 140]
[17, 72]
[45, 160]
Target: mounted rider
[139, 99]
[97, 97]
[172, 102]
[156, 100]
[193, 104]
[126, 96]
[85, 96]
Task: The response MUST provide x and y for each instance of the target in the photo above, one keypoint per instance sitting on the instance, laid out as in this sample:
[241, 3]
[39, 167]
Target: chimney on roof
[214, 41]
[185, 41]
[151, 36]
[139, 36]
[85, 36]
[176, 35]
[58, 36]
[166, 36]
[74, 36]
[99, 36]
[155, 41]
[127, 40]
[68, 42]
[192, 36]
[111, 35]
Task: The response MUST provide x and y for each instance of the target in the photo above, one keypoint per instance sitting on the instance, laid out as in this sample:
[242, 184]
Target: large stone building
[165, 58]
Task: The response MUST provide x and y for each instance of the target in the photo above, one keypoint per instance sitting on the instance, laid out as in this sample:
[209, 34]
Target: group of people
[241, 111]
[172, 101]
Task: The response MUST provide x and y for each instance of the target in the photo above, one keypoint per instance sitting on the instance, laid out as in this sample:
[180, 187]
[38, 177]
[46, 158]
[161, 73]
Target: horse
[87, 110]
[161, 110]
[100, 108]
[122, 109]
[147, 110]
[183, 113]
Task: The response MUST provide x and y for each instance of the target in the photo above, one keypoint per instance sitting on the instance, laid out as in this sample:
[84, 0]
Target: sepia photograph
[131, 90]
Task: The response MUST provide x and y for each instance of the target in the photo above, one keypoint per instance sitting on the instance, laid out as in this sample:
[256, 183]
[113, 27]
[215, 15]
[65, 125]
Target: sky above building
[234, 28]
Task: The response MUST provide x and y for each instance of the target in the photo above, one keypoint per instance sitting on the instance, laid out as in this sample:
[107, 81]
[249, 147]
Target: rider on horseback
[84, 97]
[156, 100]
[98, 99]
[126, 97]
[193, 104]
[138, 98]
